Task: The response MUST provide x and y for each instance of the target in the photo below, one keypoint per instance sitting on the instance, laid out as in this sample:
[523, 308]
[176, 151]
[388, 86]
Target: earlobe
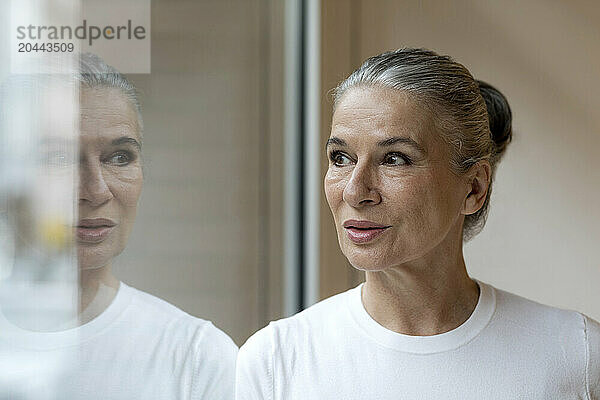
[479, 178]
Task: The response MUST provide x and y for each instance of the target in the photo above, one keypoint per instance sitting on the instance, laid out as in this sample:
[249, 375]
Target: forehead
[374, 113]
[107, 113]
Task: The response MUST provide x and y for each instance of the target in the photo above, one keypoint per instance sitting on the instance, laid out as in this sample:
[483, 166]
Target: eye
[120, 158]
[339, 159]
[396, 159]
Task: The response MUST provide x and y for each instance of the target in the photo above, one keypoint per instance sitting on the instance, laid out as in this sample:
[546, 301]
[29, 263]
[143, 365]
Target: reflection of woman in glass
[414, 144]
[129, 343]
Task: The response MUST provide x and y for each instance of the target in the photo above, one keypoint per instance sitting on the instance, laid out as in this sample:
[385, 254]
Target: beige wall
[207, 236]
[541, 240]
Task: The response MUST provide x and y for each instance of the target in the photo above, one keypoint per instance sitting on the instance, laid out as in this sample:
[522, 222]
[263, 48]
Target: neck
[424, 297]
[26, 303]
[98, 287]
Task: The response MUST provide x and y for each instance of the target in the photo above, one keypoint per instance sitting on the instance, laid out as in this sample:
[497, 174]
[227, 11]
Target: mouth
[94, 230]
[360, 232]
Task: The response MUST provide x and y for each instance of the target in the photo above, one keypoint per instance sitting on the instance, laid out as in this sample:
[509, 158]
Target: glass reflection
[104, 339]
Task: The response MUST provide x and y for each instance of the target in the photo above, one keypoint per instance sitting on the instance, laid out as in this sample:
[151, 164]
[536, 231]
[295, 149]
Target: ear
[479, 177]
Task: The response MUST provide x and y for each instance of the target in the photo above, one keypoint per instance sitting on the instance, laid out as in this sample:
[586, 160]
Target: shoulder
[215, 344]
[214, 366]
[558, 334]
[145, 303]
[279, 346]
[169, 320]
[150, 309]
[320, 315]
[538, 318]
[592, 336]
[195, 344]
[288, 332]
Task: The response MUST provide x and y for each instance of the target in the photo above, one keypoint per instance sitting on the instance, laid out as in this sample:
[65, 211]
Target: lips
[361, 231]
[94, 230]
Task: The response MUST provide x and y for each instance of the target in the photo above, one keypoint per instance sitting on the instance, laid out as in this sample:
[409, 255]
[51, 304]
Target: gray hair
[472, 117]
[95, 73]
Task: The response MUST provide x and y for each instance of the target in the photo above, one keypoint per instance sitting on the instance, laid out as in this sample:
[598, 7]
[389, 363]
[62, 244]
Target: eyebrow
[384, 143]
[399, 139]
[126, 140]
[334, 140]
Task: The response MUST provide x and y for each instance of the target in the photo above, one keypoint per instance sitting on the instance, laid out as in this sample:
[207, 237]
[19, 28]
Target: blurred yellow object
[55, 233]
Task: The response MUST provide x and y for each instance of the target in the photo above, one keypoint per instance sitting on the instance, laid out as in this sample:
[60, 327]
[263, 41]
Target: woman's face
[389, 185]
[110, 175]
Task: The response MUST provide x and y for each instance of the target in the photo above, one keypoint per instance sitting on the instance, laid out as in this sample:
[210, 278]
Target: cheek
[334, 183]
[446, 194]
[410, 203]
[404, 192]
[430, 204]
[126, 185]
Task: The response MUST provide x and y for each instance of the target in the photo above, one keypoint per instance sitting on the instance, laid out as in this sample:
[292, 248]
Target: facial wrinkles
[96, 122]
[387, 109]
[415, 200]
[97, 132]
[108, 105]
[101, 126]
[120, 180]
[107, 115]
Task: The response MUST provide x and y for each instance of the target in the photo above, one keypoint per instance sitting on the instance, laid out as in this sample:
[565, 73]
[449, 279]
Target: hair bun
[499, 115]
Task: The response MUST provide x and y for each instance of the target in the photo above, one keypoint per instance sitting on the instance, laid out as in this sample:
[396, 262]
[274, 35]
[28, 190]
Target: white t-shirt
[509, 348]
[140, 347]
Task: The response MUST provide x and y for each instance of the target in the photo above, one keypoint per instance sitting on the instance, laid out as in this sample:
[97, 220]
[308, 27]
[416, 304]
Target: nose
[93, 188]
[361, 190]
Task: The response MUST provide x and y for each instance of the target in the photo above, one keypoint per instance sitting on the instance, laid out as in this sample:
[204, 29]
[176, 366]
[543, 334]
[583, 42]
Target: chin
[92, 263]
[368, 266]
[366, 261]
[374, 256]
[91, 258]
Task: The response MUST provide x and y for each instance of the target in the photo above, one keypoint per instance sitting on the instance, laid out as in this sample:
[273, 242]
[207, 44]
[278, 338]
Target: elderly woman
[414, 144]
[129, 344]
